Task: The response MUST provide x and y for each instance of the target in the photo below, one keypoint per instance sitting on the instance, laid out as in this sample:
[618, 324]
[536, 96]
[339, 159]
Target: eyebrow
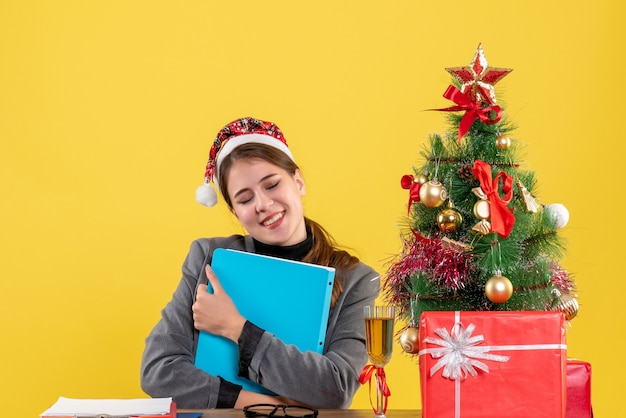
[260, 181]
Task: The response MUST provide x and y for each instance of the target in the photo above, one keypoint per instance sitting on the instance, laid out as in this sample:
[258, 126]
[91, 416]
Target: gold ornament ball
[421, 179]
[498, 289]
[433, 194]
[409, 340]
[449, 220]
[503, 142]
[568, 305]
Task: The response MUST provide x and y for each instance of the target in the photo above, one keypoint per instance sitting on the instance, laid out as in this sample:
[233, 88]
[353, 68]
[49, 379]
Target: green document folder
[288, 298]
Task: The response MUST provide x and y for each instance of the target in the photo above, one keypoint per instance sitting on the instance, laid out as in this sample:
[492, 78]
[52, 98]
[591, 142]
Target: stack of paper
[68, 407]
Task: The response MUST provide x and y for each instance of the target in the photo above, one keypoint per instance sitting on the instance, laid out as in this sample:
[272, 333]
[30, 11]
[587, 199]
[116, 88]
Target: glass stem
[380, 397]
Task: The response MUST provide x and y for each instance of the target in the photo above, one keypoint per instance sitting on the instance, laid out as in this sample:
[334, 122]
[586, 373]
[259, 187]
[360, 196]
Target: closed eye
[245, 198]
[273, 185]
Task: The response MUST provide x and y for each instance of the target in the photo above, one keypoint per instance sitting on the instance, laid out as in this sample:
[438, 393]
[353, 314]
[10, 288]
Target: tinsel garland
[562, 279]
[448, 268]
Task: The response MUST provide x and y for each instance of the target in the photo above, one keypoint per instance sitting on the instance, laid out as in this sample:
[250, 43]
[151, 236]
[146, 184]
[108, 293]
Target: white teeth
[273, 219]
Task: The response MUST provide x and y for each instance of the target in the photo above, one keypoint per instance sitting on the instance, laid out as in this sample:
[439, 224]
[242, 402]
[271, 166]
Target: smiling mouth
[273, 219]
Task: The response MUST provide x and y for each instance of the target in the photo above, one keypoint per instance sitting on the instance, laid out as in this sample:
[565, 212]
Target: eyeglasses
[270, 410]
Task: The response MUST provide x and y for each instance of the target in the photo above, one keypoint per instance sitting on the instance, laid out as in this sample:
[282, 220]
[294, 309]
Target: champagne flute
[379, 322]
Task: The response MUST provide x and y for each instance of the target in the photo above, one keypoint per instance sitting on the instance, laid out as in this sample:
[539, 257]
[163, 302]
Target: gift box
[578, 389]
[492, 364]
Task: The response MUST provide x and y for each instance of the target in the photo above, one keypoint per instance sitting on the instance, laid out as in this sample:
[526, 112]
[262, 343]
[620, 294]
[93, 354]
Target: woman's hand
[215, 312]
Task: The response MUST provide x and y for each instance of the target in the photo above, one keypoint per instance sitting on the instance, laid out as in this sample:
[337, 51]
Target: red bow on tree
[502, 219]
[487, 115]
[408, 182]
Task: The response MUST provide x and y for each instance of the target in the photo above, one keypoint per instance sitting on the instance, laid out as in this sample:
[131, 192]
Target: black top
[294, 252]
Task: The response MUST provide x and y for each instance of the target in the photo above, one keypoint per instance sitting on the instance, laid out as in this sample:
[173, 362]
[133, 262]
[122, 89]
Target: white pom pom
[205, 195]
[559, 213]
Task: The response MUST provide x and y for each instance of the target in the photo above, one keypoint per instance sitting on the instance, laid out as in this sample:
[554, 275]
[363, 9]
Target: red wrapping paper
[530, 382]
[578, 389]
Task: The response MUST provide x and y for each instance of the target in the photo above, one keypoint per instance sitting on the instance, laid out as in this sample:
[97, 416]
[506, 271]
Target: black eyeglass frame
[273, 408]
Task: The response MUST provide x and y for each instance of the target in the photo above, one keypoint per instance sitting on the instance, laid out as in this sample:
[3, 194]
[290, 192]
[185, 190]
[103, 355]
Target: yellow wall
[107, 110]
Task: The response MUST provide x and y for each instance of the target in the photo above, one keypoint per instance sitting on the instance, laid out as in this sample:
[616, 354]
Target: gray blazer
[327, 380]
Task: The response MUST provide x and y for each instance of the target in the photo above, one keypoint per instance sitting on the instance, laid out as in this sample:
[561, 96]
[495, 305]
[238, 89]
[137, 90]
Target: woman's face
[267, 200]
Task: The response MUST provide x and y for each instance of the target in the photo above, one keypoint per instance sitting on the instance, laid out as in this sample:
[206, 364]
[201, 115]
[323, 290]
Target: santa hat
[239, 132]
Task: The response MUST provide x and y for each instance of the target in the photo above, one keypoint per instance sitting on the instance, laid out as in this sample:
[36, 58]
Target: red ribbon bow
[381, 381]
[408, 182]
[487, 115]
[502, 219]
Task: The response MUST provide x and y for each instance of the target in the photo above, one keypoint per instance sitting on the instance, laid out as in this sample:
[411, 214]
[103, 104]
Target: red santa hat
[239, 132]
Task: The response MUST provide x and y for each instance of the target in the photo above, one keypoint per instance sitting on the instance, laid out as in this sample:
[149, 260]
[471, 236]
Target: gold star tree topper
[477, 79]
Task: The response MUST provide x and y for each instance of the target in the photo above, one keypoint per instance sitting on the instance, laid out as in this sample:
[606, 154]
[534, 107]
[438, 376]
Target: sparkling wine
[379, 336]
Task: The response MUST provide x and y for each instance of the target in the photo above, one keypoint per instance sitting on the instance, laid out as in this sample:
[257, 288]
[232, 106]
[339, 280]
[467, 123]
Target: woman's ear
[299, 179]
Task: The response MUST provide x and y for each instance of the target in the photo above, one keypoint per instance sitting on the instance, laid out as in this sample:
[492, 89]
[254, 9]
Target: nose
[263, 202]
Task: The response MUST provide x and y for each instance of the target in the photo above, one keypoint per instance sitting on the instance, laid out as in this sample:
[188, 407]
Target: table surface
[323, 413]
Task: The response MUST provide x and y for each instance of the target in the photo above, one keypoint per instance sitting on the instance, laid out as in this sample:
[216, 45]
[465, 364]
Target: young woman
[260, 182]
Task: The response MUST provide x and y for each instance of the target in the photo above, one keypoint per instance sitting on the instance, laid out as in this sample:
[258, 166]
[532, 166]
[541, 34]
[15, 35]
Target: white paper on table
[149, 406]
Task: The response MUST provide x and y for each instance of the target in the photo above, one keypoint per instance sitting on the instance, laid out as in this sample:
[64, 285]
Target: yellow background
[108, 109]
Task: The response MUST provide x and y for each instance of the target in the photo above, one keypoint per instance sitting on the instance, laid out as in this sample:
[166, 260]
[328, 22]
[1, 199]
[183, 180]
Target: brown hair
[325, 251]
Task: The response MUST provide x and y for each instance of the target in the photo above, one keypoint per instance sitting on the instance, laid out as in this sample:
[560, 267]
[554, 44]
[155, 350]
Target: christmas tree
[477, 238]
